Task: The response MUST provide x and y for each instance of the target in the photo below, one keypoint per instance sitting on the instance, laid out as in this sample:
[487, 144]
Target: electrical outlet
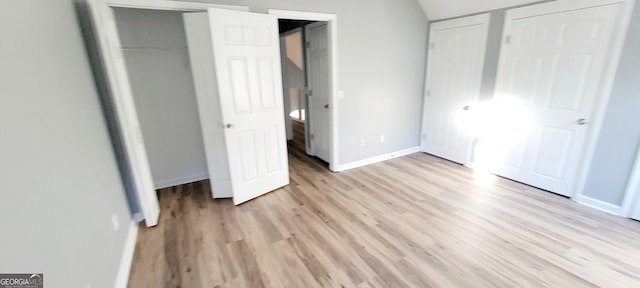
[115, 222]
[382, 139]
[363, 142]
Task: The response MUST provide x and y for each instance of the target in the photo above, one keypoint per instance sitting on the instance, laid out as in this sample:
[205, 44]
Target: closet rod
[152, 49]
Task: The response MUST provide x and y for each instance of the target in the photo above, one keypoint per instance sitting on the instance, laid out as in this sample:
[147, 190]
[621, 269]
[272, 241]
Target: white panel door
[244, 79]
[209, 110]
[550, 74]
[454, 73]
[636, 212]
[318, 81]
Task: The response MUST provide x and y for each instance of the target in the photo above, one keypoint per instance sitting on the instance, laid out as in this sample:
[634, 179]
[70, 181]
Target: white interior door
[636, 212]
[244, 81]
[631, 200]
[550, 74]
[454, 73]
[318, 82]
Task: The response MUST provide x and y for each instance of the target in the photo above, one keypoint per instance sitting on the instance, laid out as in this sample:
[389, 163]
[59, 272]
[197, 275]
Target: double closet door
[536, 125]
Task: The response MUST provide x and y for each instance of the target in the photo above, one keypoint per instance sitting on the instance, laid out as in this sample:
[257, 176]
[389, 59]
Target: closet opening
[154, 46]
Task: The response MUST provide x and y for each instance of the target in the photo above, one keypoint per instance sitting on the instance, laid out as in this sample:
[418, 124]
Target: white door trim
[482, 19]
[117, 78]
[332, 22]
[609, 74]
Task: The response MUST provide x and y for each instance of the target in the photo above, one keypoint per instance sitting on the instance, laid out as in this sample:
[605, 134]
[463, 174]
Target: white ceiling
[440, 9]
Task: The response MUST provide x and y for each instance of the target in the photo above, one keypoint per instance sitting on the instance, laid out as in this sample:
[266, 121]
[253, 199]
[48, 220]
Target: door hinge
[312, 136]
[424, 136]
[428, 93]
[507, 39]
[310, 92]
[432, 45]
[308, 44]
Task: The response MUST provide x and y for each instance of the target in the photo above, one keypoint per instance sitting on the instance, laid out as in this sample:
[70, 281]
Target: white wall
[294, 49]
[294, 70]
[158, 65]
[59, 180]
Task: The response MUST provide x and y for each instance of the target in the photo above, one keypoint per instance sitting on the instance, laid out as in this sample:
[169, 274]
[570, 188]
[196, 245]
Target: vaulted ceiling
[441, 9]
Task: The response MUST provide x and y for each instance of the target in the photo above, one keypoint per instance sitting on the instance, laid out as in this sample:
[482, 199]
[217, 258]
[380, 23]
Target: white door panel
[551, 70]
[318, 81]
[454, 72]
[247, 56]
[635, 212]
[245, 71]
[211, 123]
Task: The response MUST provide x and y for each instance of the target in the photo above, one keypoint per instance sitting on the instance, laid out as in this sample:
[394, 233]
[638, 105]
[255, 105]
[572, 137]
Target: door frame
[481, 19]
[332, 25]
[109, 47]
[605, 87]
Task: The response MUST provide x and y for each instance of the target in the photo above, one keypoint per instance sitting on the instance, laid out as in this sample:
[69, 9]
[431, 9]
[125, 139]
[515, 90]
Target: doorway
[155, 53]
[306, 86]
[320, 95]
[121, 98]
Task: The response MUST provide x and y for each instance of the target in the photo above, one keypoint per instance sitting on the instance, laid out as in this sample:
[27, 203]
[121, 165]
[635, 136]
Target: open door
[319, 88]
[236, 67]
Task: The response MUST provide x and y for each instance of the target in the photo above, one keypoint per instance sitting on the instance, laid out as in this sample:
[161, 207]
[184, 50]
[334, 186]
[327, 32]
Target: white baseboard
[376, 159]
[179, 181]
[599, 204]
[127, 256]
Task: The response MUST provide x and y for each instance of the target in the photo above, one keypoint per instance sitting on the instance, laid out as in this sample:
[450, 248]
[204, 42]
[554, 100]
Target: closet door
[631, 201]
[550, 75]
[636, 213]
[454, 73]
[239, 75]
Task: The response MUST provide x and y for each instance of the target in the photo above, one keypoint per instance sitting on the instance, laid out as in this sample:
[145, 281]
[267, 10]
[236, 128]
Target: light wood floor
[415, 221]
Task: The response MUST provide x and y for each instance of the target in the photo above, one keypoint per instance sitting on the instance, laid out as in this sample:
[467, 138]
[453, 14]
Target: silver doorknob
[229, 125]
[466, 107]
[582, 121]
